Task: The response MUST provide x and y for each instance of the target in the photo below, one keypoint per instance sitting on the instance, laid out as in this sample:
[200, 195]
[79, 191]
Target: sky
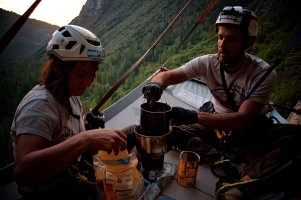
[56, 12]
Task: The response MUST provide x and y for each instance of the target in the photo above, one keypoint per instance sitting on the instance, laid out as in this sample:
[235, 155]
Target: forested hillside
[127, 29]
[126, 36]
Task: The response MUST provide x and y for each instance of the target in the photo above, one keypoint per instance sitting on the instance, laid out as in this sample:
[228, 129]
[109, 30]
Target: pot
[155, 121]
[151, 145]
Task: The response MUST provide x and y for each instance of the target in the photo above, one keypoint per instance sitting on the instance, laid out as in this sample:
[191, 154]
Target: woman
[48, 129]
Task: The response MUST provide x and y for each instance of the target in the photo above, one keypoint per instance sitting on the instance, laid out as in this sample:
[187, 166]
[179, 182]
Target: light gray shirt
[39, 113]
[239, 83]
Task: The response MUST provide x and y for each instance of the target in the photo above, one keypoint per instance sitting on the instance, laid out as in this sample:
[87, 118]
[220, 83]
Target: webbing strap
[201, 18]
[277, 62]
[289, 163]
[227, 91]
[285, 166]
[231, 185]
[126, 75]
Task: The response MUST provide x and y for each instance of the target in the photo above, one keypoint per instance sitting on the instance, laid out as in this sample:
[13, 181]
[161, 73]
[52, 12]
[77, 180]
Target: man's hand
[152, 92]
[182, 116]
[94, 120]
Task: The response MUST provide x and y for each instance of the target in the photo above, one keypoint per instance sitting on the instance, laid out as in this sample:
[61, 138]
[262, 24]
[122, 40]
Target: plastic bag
[120, 180]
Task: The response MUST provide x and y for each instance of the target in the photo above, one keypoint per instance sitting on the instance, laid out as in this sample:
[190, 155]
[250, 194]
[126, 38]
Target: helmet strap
[249, 44]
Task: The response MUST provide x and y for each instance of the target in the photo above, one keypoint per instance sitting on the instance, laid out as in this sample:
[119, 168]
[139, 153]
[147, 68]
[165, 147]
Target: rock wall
[293, 118]
[91, 9]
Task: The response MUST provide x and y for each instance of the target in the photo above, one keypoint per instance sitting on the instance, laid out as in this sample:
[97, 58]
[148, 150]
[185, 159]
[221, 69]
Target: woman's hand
[105, 139]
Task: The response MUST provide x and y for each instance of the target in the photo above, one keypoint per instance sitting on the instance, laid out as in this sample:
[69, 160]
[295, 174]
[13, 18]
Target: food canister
[188, 168]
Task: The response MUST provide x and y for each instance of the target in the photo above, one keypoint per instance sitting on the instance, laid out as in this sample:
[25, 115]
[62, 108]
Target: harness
[235, 108]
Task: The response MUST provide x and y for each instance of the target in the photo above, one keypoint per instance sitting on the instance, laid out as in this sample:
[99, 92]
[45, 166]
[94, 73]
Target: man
[230, 75]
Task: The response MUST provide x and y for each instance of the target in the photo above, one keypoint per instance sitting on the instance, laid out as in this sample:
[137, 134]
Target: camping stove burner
[152, 149]
[151, 138]
[152, 162]
[151, 167]
[151, 145]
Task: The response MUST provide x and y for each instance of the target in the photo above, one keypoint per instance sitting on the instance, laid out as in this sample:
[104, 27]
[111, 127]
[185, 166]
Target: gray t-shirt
[39, 113]
[239, 83]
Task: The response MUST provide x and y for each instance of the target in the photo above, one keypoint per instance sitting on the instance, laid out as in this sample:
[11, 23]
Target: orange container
[188, 168]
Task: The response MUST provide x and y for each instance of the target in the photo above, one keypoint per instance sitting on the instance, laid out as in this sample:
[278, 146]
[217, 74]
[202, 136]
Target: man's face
[81, 77]
[230, 45]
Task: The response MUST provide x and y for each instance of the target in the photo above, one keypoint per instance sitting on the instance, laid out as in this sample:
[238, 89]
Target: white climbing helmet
[238, 15]
[74, 43]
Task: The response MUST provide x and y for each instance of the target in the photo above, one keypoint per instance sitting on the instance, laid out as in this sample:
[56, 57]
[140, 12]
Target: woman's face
[81, 77]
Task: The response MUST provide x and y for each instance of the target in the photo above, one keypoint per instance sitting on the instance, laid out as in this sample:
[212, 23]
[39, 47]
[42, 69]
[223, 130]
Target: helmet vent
[62, 28]
[66, 34]
[70, 44]
[95, 43]
[82, 47]
[55, 47]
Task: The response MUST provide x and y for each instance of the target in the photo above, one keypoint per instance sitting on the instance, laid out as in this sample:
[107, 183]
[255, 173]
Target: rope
[10, 34]
[278, 61]
[201, 18]
[126, 75]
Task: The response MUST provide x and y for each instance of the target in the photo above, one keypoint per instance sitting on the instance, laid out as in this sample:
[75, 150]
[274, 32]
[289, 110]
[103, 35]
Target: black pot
[155, 121]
